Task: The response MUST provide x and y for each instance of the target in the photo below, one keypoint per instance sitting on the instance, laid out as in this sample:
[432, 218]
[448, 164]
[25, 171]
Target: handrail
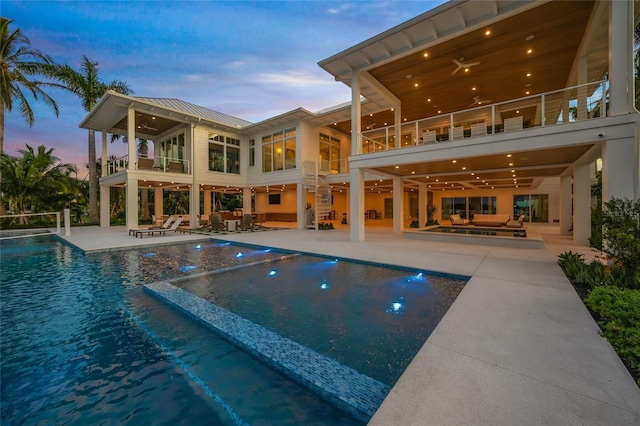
[570, 104]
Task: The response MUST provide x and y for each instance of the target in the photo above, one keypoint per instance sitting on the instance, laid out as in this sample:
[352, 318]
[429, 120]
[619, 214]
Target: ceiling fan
[146, 126]
[478, 101]
[460, 64]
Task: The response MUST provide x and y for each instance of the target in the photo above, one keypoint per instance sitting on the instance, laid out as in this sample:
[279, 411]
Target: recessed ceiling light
[466, 70]
[397, 167]
[529, 37]
[528, 74]
[473, 88]
[454, 161]
[415, 84]
[508, 155]
[487, 33]
[529, 51]
[428, 99]
[425, 54]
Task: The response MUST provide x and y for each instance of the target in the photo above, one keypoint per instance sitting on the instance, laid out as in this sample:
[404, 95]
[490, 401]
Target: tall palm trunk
[93, 180]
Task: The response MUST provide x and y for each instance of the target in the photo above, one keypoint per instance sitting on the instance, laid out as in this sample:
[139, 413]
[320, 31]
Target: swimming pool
[82, 343]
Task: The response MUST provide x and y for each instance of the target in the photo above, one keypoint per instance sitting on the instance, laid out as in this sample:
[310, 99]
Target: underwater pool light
[324, 284]
[272, 272]
[198, 247]
[187, 268]
[239, 255]
[149, 254]
[397, 307]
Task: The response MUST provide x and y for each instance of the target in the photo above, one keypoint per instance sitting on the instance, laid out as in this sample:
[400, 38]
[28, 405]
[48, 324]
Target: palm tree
[18, 63]
[87, 85]
[31, 177]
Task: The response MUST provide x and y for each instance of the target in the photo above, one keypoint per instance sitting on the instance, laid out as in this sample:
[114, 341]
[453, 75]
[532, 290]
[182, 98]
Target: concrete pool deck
[517, 346]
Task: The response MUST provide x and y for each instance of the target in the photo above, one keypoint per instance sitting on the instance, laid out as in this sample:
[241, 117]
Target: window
[456, 205]
[467, 208]
[329, 153]
[224, 154]
[252, 152]
[172, 149]
[279, 151]
[534, 207]
[482, 205]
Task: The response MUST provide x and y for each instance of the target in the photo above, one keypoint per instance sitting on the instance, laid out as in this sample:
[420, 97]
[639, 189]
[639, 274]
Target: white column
[131, 139]
[104, 154]
[132, 202]
[422, 204]
[581, 204]
[621, 57]
[619, 170]
[207, 203]
[246, 200]
[347, 193]
[301, 204]
[194, 206]
[356, 205]
[356, 115]
[566, 201]
[105, 206]
[398, 206]
[158, 202]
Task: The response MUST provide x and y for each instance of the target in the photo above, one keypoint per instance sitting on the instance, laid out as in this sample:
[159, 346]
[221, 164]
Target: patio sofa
[490, 219]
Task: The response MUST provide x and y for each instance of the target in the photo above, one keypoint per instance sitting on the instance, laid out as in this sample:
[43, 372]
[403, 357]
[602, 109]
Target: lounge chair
[457, 220]
[164, 227]
[247, 223]
[457, 133]
[216, 223]
[151, 231]
[516, 223]
[479, 129]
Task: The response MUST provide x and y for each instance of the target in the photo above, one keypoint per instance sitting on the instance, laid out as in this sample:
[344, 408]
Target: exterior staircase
[314, 182]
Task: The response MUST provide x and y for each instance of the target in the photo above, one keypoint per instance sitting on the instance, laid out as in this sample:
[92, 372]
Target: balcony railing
[333, 166]
[558, 107]
[157, 164]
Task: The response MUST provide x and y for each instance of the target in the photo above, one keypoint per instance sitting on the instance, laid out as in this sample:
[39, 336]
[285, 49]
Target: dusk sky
[252, 60]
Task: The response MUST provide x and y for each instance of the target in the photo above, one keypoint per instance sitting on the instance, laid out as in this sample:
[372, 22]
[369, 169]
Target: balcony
[554, 108]
[157, 164]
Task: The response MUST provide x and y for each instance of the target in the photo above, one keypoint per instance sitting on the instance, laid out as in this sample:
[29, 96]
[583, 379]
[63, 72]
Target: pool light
[239, 255]
[397, 307]
[272, 272]
[324, 285]
[187, 268]
[198, 247]
[149, 254]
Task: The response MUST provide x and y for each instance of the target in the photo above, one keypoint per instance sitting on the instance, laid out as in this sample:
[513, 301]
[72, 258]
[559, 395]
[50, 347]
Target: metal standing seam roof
[198, 111]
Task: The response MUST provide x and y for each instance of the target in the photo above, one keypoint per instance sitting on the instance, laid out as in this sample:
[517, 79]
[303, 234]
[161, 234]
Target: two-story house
[487, 107]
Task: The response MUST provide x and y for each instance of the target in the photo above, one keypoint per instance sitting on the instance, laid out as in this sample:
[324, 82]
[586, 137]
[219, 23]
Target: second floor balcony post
[356, 116]
[131, 137]
[104, 156]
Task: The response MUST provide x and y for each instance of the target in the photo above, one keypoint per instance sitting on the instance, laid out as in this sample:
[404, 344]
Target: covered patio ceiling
[467, 54]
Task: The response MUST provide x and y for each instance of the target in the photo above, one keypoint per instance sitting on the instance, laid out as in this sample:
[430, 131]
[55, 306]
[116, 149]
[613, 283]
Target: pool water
[371, 318]
[81, 343]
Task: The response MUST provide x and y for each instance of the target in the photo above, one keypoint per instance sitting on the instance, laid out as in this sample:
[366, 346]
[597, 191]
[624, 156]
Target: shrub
[621, 236]
[618, 313]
